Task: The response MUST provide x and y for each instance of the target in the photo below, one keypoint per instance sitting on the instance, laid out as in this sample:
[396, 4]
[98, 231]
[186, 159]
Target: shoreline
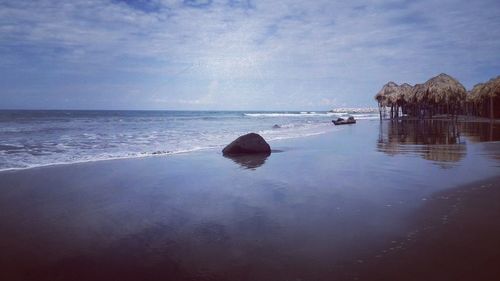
[156, 154]
[172, 153]
[106, 159]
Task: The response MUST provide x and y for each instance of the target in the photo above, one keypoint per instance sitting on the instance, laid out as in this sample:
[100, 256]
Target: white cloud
[347, 48]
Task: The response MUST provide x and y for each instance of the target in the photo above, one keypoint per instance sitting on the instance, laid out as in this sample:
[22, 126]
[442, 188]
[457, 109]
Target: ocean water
[39, 138]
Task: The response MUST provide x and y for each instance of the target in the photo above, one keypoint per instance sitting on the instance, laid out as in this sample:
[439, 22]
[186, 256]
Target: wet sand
[455, 236]
[318, 208]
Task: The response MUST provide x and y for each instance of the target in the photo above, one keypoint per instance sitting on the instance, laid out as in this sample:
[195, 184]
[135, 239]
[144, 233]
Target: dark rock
[276, 126]
[247, 144]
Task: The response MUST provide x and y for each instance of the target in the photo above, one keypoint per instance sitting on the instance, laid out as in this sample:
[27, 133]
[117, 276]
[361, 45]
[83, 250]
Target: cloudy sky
[236, 54]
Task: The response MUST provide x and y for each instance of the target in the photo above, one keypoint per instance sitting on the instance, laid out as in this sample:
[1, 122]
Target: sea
[33, 138]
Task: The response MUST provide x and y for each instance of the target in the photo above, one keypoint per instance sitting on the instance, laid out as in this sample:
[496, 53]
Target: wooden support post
[492, 108]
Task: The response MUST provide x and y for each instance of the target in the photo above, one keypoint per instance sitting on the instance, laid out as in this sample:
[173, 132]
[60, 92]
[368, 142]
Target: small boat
[342, 121]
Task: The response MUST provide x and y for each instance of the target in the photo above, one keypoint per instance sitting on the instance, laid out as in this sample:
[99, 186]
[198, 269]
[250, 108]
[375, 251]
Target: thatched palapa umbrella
[440, 94]
[406, 96]
[444, 88]
[419, 93]
[406, 92]
[411, 98]
[388, 96]
[485, 95]
[473, 100]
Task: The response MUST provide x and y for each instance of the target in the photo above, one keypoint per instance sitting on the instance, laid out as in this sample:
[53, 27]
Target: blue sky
[236, 54]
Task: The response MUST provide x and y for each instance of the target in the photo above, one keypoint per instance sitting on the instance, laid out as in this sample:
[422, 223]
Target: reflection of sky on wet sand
[307, 212]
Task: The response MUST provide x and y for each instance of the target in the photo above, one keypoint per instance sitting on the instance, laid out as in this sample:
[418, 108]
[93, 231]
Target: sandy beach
[372, 201]
[455, 237]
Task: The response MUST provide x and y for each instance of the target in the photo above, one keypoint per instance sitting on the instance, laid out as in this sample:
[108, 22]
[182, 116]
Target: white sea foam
[365, 116]
[355, 110]
[101, 157]
[50, 138]
[285, 114]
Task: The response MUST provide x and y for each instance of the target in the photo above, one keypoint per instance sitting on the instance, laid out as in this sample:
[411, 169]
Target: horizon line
[234, 110]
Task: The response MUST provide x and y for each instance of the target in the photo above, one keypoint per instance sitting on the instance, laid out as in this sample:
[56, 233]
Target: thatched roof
[388, 94]
[444, 88]
[489, 89]
[419, 92]
[494, 84]
[474, 94]
[406, 92]
[440, 89]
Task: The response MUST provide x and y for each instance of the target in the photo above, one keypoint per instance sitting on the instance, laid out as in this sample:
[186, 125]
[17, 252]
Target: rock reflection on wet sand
[249, 161]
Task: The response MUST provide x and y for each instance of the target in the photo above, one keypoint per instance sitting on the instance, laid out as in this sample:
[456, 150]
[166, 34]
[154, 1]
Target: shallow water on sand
[307, 212]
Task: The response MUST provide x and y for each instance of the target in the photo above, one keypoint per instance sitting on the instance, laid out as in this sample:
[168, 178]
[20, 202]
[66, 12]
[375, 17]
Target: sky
[236, 54]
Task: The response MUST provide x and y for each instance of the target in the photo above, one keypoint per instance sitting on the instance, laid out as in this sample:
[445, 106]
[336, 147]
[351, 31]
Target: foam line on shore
[162, 153]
